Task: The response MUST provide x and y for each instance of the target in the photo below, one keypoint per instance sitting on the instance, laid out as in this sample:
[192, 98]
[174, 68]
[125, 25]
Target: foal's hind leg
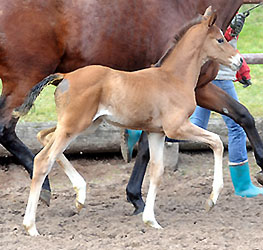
[189, 131]
[43, 163]
[76, 179]
[156, 144]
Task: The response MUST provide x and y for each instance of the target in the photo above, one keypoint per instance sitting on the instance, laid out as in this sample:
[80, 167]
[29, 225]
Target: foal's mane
[178, 36]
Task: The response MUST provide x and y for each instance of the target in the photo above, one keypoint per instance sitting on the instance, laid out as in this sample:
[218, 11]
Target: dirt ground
[106, 221]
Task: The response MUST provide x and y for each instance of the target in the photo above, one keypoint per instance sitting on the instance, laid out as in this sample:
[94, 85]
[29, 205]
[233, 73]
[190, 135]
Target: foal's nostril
[241, 59]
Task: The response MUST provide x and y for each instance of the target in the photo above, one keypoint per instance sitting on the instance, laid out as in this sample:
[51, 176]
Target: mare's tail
[53, 79]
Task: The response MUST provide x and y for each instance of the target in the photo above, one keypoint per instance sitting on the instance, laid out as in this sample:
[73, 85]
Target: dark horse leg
[222, 103]
[12, 143]
[211, 97]
[133, 189]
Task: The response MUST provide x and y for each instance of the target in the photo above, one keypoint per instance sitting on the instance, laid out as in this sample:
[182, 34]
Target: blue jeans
[236, 136]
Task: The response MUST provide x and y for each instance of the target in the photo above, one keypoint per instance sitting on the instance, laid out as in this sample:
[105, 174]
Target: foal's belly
[147, 123]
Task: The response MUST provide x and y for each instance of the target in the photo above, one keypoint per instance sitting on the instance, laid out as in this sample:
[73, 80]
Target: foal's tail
[53, 79]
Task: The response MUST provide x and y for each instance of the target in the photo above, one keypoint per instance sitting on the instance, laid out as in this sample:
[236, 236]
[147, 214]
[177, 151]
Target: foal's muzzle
[236, 62]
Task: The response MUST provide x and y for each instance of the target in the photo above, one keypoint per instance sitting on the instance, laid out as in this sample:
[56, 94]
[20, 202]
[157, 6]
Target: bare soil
[106, 222]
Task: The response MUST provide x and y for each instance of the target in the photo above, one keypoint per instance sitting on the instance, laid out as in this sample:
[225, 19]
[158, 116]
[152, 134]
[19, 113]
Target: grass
[44, 108]
[250, 41]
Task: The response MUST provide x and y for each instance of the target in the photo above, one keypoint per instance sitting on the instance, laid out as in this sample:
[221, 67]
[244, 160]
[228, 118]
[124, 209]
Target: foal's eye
[221, 40]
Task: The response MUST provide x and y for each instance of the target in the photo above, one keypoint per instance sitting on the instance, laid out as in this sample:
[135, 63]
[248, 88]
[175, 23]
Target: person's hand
[246, 82]
[237, 24]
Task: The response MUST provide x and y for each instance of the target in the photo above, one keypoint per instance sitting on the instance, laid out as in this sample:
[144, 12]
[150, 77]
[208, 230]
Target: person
[128, 140]
[238, 160]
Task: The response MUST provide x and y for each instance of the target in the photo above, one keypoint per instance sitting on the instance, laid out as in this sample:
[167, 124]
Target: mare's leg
[43, 55]
[14, 145]
[156, 144]
[43, 163]
[133, 189]
[189, 131]
[211, 97]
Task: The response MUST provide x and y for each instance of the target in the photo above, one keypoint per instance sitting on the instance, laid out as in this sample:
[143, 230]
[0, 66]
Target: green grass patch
[251, 41]
[44, 108]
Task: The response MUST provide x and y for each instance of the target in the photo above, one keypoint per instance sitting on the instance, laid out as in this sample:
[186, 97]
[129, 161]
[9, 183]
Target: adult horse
[40, 37]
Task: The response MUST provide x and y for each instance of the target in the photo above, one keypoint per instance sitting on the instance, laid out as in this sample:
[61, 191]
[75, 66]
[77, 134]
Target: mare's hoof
[136, 201]
[45, 196]
[259, 177]
[209, 205]
[138, 210]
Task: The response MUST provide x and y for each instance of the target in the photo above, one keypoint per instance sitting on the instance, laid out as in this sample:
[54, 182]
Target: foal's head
[215, 45]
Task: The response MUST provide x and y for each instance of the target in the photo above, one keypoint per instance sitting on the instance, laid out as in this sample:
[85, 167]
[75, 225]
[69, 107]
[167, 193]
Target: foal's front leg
[189, 131]
[156, 144]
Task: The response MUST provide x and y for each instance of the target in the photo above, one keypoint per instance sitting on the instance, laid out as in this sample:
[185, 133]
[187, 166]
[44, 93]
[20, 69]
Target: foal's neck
[187, 58]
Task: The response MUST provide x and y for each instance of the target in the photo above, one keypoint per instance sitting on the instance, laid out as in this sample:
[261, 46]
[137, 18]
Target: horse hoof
[209, 205]
[138, 203]
[45, 196]
[79, 206]
[32, 231]
[139, 207]
[259, 177]
[153, 224]
[137, 211]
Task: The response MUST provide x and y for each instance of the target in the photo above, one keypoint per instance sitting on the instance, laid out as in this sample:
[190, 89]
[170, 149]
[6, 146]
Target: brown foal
[157, 100]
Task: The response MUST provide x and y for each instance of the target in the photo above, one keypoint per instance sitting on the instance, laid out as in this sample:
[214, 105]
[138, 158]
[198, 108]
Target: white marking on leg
[218, 182]
[43, 163]
[156, 145]
[190, 131]
[29, 218]
[76, 179]
[37, 181]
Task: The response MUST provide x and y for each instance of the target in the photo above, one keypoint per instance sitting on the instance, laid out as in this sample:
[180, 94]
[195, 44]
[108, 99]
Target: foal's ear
[212, 19]
[208, 12]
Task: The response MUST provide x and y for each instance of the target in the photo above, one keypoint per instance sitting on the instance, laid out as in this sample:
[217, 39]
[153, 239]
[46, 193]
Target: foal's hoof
[45, 196]
[32, 231]
[209, 205]
[153, 223]
[79, 206]
[259, 177]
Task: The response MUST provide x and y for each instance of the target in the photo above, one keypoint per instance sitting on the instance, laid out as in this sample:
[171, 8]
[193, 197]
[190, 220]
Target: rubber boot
[241, 181]
[128, 140]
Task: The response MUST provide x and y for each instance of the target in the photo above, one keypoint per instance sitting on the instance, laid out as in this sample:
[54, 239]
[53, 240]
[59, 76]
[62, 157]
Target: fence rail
[251, 1]
[256, 58]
